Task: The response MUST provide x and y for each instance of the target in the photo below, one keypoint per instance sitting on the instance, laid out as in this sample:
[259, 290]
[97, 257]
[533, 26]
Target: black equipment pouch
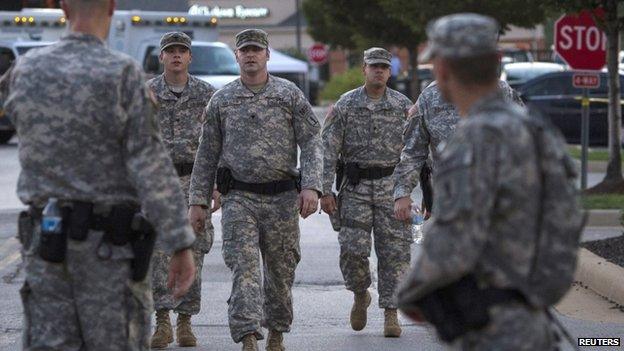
[460, 307]
[79, 221]
[25, 229]
[120, 221]
[352, 171]
[142, 242]
[224, 180]
[427, 187]
[53, 246]
[340, 172]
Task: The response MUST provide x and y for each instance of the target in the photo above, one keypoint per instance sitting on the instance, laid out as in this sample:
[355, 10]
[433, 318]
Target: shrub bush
[341, 83]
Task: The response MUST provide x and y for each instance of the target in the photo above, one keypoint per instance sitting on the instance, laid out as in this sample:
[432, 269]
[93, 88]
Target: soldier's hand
[403, 208]
[197, 216]
[181, 272]
[216, 201]
[328, 204]
[308, 202]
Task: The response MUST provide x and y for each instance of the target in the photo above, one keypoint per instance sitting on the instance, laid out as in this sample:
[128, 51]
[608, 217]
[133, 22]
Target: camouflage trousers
[366, 207]
[254, 226]
[191, 302]
[84, 303]
[512, 327]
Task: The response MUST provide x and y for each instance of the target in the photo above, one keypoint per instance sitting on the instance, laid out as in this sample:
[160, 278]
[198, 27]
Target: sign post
[583, 46]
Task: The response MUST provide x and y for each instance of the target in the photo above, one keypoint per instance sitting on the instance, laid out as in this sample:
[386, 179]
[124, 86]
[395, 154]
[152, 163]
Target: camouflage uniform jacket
[362, 131]
[486, 185]
[87, 132]
[431, 123]
[180, 118]
[256, 137]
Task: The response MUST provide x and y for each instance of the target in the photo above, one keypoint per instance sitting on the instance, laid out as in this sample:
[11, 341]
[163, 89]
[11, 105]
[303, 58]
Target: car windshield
[515, 56]
[213, 60]
[526, 73]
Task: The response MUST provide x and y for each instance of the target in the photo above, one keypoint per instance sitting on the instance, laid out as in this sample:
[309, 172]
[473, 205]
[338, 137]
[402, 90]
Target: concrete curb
[601, 276]
[604, 218]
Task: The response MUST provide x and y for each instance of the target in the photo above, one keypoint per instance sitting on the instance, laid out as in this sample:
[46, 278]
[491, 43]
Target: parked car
[554, 96]
[510, 55]
[518, 73]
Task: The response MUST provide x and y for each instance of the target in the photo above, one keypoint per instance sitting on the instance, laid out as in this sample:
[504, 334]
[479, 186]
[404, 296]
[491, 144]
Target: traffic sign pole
[584, 137]
[583, 46]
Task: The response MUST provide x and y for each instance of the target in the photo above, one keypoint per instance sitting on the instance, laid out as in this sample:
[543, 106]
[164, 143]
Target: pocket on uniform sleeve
[452, 187]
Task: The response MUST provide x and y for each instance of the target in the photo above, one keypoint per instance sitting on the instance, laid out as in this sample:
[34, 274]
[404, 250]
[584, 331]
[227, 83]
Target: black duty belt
[375, 172]
[183, 169]
[92, 216]
[269, 188]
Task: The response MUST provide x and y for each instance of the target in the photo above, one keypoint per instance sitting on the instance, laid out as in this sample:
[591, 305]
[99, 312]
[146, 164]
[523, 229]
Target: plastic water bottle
[53, 240]
[417, 222]
[51, 218]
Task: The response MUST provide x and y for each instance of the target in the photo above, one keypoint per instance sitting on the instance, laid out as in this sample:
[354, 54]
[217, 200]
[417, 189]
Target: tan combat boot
[392, 329]
[163, 335]
[358, 311]
[184, 333]
[275, 341]
[250, 343]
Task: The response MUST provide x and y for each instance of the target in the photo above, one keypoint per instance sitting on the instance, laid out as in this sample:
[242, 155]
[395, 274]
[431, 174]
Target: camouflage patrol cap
[256, 37]
[461, 35]
[377, 55]
[175, 38]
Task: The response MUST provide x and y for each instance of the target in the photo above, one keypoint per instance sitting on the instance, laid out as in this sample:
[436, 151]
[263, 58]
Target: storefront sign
[238, 11]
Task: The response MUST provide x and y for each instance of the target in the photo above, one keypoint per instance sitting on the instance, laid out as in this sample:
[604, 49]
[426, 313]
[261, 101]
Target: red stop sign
[318, 53]
[580, 43]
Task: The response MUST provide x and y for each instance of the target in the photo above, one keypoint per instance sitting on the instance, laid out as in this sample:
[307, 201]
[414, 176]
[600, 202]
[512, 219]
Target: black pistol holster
[462, 306]
[340, 173]
[224, 180]
[143, 240]
[426, 187]
[352, 172]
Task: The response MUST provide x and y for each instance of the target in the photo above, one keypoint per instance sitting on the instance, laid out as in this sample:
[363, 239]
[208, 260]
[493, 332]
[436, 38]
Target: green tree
[612, 24]
[356, 24]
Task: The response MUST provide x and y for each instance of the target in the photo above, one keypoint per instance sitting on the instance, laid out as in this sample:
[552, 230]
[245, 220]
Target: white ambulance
[136, 33]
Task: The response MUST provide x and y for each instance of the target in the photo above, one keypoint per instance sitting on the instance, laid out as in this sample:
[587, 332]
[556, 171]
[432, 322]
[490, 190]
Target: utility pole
[298, 17]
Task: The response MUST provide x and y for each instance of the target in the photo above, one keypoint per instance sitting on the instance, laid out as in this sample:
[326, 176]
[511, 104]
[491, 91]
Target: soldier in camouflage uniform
[432, 121]
[485, 189]
[252, 128]
[364, 130]
[181, 101]
[87, 136]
